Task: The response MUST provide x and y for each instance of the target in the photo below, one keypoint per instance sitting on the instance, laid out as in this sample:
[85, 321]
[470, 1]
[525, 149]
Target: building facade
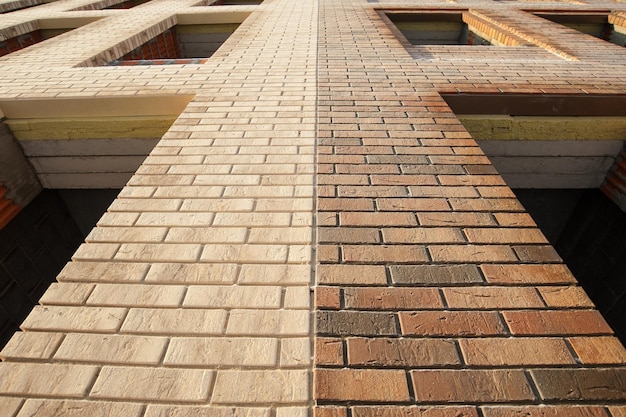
[310, 208]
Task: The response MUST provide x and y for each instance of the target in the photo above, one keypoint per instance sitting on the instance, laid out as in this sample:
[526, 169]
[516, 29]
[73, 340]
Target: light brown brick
[556, 322]
[515, 351]
[451, 323]
[360, 385]
[391, 298]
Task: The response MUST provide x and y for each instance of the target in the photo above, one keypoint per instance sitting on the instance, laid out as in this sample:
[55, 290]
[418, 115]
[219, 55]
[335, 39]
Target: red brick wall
[20, 42]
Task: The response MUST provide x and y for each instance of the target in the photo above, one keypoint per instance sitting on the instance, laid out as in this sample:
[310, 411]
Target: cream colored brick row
[195, 296]
[176, 273]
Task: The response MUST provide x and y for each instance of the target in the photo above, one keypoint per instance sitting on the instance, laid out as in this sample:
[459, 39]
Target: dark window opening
[37, 244]
[435, 29]
[182, 44]
[596, 25]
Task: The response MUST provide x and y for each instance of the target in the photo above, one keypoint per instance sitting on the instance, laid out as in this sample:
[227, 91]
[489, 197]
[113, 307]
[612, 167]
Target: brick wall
[20, 42]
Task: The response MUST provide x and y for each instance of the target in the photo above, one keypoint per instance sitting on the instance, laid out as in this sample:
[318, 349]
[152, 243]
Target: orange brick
[556, 322]
[515, 351]
[413, 411]
[455, 219]
[565, 297]
[599, 350]
[527, 274]
[327, 297]
[328, 351]
[383, 386]
[492, 297]
[504, 235]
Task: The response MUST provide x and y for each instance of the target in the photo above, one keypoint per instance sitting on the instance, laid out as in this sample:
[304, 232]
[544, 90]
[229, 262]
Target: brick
[103, 272]
[327, 297]
[422, 235]
[377, 219]
[268, 322]
[261, 386]
[76, 408]
[355, 323]
[68, 318]
[174, 273]
[451, 219]
[405, 179]
[544, 411]
[413, 411]
[155, 410]
[345, 204]
[159, 252]
[514, 220]
[451, 323]
[220, 296]
[471, 253]
[598, 384]
[391, 298]
[113, 349]
[412, 204]
[471, 386]
[348, 235]
[351, 274]
[515, 351]
[330, 411]
[527, 274]
[492, 297]
[560, 296]
[537, 253]
[434, 274]
[174, 321]
[328, 351]
[485, 204]
[617, 411]
[32, 345]
[224, 352]
[598, 350]
[136, 295]
[504, 235]
[382, 386]
[384, 253]
[130, 383]
[296, 352]
[556, 322]
[61, 380]
[403, 353]
[10, 405]
[66, 294]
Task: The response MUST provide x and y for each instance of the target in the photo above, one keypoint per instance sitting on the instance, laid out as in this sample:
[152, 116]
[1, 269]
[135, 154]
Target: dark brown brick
[581, 384]
[528, 274]
[556, 322]
[435, 274]
[328, 351]
[392, 298]
[351, 274]
[517, 351]
[544, 411]
[402, 352]
[413, 411]
[451, 323]
[463, 386]
[384, 386]
[356, 323]
[537, 253]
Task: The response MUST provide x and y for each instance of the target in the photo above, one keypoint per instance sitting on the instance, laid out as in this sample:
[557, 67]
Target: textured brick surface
[315, 151]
